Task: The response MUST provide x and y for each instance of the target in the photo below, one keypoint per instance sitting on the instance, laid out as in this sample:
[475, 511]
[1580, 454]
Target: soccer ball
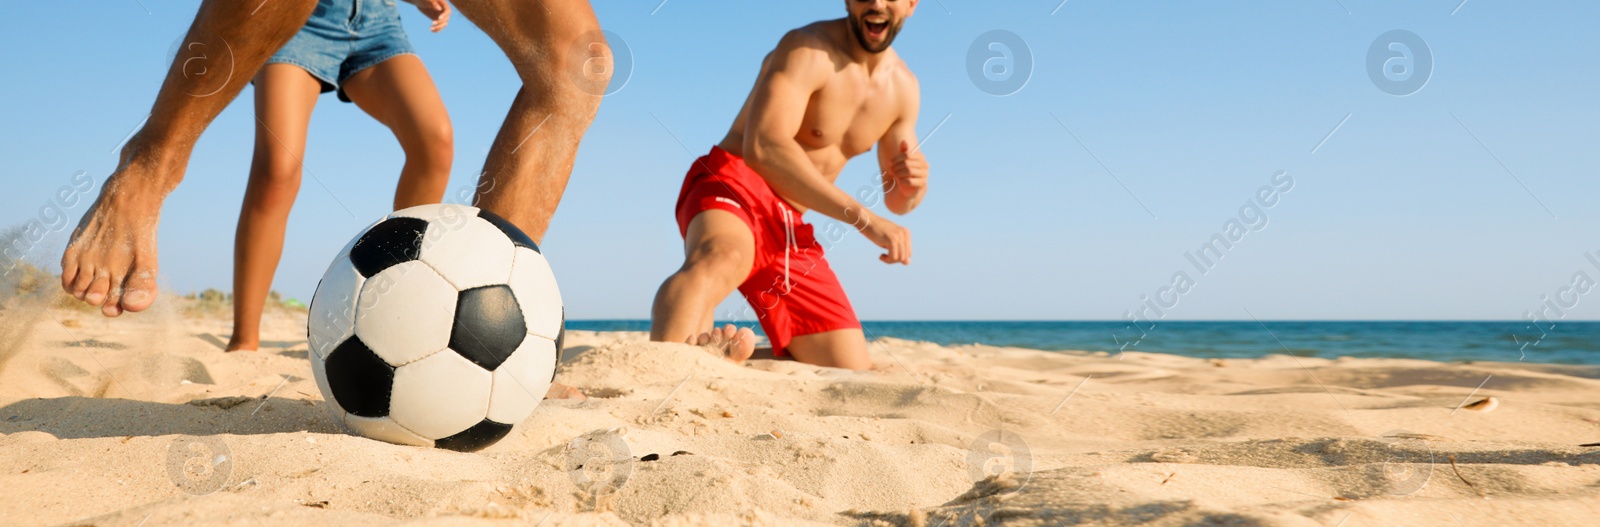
[439, 325]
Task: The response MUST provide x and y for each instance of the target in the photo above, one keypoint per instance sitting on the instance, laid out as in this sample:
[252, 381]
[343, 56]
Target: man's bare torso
[849, 114]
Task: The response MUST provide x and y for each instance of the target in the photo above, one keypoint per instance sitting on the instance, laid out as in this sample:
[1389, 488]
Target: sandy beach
[144, 421]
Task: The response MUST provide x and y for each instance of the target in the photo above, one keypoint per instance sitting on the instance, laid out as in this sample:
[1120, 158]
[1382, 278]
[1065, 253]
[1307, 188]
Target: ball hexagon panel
[521, 382]
[440, 396]
[518, 238]
[358, 379]
[332, 317]
[405, 312]
[535, 288]
[480, 436]
[468, 253]
[384, 429]
[390, 242]
[319, 372]
[488, 326]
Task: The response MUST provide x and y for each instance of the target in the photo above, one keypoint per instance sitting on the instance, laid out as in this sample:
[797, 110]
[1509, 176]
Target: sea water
[1499, 341]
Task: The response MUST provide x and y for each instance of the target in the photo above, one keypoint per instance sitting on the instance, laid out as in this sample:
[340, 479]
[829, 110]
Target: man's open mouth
[875, 26]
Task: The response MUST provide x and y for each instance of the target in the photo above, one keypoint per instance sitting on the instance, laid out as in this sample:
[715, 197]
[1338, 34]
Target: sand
[144, 421]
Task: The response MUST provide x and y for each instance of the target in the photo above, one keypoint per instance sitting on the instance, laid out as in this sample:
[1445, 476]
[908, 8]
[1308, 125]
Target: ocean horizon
[1564, 342]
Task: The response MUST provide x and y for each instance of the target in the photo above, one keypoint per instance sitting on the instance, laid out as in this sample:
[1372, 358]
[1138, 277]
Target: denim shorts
[344, 37]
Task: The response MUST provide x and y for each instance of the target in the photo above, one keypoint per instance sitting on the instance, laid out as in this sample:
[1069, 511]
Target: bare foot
[729, 342]
[562, 391]
[111, 260]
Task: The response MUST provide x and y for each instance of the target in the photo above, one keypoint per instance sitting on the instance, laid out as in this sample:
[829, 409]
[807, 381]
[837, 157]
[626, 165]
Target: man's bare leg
[563, 78]
[111, 259]
[531, 158]
[719, 250]
[842, 348]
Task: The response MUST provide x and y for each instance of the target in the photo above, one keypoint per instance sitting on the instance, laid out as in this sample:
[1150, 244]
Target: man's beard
[858, 28]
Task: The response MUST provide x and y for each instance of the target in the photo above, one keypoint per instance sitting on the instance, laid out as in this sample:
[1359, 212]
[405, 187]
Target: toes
[740, 345]
[139, 290]
[704, 339]
[69, 270]
[113, 297]
[81, 281]
[100, 285]
[113, 305]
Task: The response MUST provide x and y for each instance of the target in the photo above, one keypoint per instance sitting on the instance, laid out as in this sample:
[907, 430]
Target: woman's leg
[285, 96]
[400, 94]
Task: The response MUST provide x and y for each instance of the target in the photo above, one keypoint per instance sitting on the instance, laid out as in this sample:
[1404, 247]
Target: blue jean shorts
[344, 37]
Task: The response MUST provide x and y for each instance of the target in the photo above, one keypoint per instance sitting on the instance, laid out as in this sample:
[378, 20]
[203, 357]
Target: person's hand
[891, 237]
[908, 170]
[436, 10]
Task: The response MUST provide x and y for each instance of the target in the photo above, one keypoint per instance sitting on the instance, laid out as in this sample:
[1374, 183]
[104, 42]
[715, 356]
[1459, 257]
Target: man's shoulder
[808, 50]
[816, 36]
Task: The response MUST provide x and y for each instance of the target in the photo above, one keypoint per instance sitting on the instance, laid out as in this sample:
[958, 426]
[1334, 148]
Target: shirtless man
[554, 45]
[829, 92]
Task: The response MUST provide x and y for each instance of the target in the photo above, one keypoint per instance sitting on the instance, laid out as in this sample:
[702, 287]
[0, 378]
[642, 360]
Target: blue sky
[1412, 209]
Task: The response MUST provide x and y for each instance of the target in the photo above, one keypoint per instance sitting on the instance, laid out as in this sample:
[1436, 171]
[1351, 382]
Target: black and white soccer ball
[440, 325]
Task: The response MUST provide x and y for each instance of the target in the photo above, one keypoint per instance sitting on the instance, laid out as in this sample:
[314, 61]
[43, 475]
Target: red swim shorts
[791, 288]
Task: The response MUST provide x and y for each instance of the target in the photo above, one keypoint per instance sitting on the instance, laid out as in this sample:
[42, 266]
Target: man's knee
[589, 63]
[837, 349]
[545, 40]
[724, 263]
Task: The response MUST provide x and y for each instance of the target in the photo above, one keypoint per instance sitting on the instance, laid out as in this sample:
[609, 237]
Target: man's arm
[905, 169]
[796, 70]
